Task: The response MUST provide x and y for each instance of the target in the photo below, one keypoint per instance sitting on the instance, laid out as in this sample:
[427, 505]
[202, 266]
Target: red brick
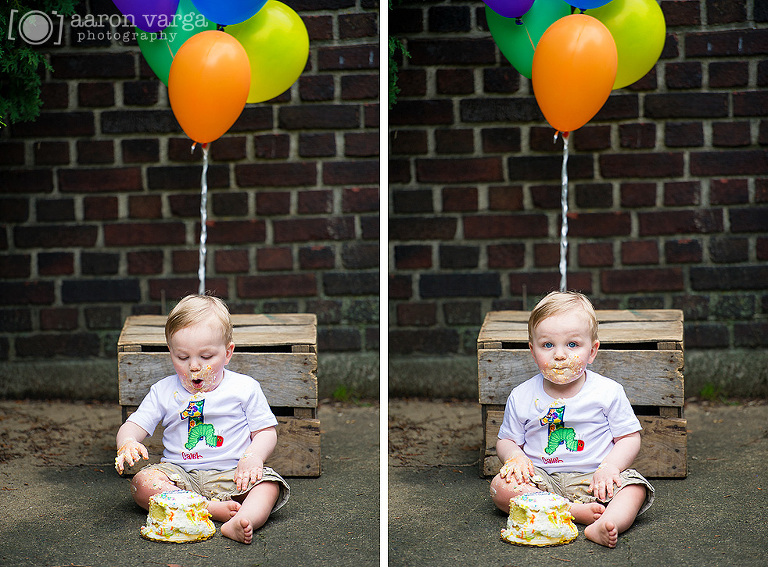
[590, 138]
[55, 236]
[316, 87]
[232, 261]
[416, 314]
[683, 251]
[750, 103]
[642, 280]
[455, 81]
[726, 43]
[501, 256]
[19, 181]
[95, 151]
[421, 112]
[728, 191]
[351, 172]
[100, 180]
[15, 266]
[595, 254]
[360, 200]
[55, 210]
[454, 141]
[13, 210]
[505, 226]
[228, 148]
[400, 287]
[318, 27]
[342, 58]
[621, 166]
[55, 263]
[459, 199]
[236, 232]
[57, 125]
[752, 162]
[51, 153]
[94, 65]
[230, 204]
[186, 177]
[273, 203]
[284, 285]
[684, 134]
[680, 222]
[274, 258]
[359, 87]
[100, 208]
[316, 257]
[616, 223]
[26, 293]
[303, 230]
[361, 144]
[141, 234]
[315, 202]
[683, 193]
[271, 146]
[503, 80]
[54, 95]
[500, 140]
[319, 117]
[185, 261]
[96, 94]
[594, 196]
[728, 74]
[731, 134]
[317, 145]
[463, 170]
[681, 12]
[639, 252]
[545, 255]
[276, 174]
[541, 283]
[422, 228]
[141, 150]
[140, 93]
[637, 135]
[683, 75]
[58, 319]
[145, 262]
[413, 257]
[179, 287]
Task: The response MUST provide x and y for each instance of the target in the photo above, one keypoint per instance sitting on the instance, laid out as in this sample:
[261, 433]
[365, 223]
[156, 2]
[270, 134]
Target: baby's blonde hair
[558, 302]
[196, 308]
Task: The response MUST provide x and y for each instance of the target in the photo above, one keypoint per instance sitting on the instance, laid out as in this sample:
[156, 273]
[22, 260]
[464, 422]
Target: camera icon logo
[35, 27]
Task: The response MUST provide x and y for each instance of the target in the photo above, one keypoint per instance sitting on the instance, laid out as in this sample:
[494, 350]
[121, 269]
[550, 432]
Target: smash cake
[179, 516]
[539, 519]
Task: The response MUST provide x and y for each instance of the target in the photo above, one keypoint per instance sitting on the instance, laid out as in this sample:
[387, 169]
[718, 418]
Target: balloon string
[564, 225]
[529, 36]
[203, 220]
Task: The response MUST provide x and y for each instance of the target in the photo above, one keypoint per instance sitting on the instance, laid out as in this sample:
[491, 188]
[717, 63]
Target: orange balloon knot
[519, 21]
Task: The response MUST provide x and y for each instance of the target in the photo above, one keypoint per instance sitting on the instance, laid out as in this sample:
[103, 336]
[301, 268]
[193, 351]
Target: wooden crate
[278, 350]
[642, 350]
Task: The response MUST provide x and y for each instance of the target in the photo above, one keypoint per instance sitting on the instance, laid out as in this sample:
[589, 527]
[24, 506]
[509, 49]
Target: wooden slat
[663, 453]
[249, 330]
[661, 325]
[298, 447]
[649, 377]
[287, 379]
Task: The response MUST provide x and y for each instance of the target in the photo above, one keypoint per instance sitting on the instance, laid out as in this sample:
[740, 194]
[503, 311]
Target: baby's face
[562, 347]
[199, 355]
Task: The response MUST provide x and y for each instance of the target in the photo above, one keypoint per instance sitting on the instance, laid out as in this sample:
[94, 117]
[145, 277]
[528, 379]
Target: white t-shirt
[568, 434]
[208, 430]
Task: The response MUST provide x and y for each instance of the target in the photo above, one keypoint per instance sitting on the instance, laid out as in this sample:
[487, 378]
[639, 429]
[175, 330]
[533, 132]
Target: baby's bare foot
[223, 511]
[238, 529]
[604, 533]
[587, 513]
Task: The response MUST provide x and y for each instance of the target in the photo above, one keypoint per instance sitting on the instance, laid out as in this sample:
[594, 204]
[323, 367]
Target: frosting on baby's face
[199, 355]
[562, 346]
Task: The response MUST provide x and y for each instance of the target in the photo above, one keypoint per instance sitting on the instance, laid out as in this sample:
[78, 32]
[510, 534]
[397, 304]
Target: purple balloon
[148, 15]
[509, 8]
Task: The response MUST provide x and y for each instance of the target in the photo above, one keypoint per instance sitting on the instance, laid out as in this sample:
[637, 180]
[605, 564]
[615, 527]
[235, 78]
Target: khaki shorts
[575, 486]
[219, 485]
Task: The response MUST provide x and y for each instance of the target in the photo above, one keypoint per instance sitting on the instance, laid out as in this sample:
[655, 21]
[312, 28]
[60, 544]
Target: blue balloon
[226, 12]
[587, 4]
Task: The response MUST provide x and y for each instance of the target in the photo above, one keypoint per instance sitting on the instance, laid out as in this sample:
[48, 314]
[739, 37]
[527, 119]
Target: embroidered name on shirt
[552, 460]
[190, 456]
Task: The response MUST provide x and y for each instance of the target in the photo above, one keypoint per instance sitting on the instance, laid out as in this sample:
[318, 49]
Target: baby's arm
[624, 451]
[130, 449]
[251, 465]
[517, 465]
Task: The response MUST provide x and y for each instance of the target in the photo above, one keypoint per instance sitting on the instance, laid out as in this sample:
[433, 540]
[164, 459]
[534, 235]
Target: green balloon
[516, 41]
[159, 49]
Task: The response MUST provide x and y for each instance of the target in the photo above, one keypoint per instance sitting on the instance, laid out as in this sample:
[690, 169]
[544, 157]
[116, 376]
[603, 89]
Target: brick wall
[668, 182]
[100, 196]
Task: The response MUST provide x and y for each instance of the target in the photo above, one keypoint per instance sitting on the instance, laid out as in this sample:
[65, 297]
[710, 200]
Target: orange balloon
[208, 84]
[574, 67]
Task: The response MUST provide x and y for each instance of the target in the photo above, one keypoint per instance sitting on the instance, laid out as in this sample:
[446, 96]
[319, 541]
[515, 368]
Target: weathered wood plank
[660, 325]
[649, 377]
[287, 379]
[663, 453]
[249, 330]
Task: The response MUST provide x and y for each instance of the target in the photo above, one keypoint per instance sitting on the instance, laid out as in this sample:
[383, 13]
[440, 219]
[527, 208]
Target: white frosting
[539, 518]
[178, 516]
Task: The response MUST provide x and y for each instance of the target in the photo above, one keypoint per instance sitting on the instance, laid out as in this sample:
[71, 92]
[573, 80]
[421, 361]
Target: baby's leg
[586, 513]
[147, 483]
[502, 491]
[253, 513]
[618, 516]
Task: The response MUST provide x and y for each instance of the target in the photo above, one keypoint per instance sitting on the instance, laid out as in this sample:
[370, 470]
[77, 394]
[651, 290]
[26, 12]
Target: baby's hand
[518, 468]
[129, 454]
[250, 468]
[603, 480]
